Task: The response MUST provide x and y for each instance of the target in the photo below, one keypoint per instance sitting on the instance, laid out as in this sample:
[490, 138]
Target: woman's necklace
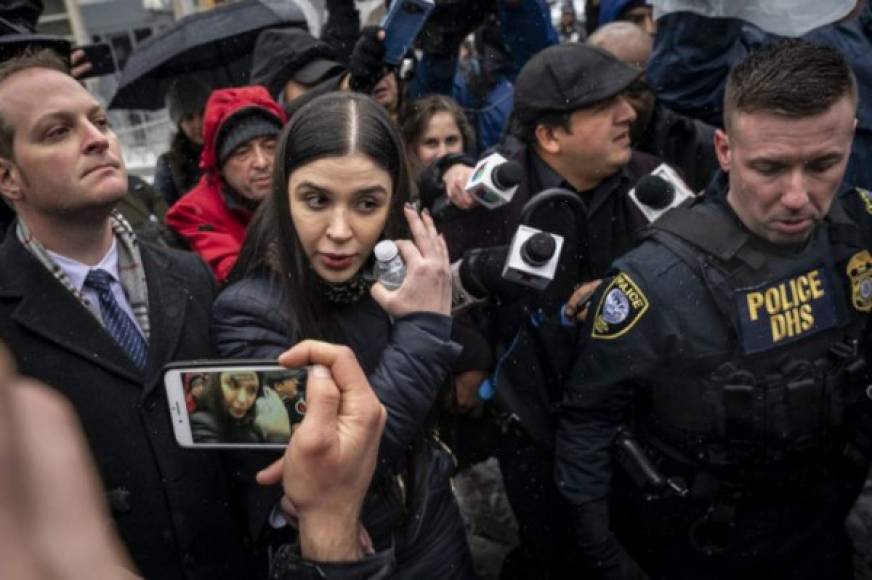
[345, 292]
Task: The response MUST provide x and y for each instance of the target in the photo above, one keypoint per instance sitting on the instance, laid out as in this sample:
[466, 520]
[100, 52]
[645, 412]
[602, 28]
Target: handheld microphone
[494, 181]
[530, 259]
[534, 254]
[660, 191]
[655, 192]
[533, 257]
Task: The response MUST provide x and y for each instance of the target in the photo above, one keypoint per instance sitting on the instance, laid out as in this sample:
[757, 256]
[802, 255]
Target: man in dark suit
[88, 310]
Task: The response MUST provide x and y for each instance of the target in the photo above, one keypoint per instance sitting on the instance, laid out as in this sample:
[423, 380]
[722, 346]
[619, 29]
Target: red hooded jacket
[213, 230]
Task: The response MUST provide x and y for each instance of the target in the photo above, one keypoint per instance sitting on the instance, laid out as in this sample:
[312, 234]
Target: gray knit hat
[243, 126]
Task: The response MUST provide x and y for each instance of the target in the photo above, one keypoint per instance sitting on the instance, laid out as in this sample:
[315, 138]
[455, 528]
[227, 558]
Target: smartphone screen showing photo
[236, 406]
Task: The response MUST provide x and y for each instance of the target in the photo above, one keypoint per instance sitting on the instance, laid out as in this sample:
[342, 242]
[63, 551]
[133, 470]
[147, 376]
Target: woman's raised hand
[427, 286]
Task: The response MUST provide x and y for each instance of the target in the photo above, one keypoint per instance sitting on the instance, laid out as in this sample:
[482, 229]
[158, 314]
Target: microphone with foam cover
[507, 175]
[659, 191]
[655, 192]
[494, 181]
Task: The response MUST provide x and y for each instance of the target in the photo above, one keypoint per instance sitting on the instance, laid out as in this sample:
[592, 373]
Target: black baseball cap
[568, 77]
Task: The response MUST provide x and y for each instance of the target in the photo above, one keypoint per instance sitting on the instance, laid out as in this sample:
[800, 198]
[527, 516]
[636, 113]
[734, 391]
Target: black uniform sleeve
[629, 335]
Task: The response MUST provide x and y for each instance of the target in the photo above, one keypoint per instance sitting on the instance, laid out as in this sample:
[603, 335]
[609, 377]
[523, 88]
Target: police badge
[620, 308]
[866, 197]
[860, 272]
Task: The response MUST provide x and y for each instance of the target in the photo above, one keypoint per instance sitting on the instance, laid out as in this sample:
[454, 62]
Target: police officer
[571, 130]
[724, 365]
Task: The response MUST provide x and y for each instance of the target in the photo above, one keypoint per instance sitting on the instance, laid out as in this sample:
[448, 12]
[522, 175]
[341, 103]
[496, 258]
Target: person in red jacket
[240, 127]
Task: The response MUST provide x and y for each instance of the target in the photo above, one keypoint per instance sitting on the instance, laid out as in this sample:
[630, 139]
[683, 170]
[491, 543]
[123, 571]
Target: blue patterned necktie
[118, 324]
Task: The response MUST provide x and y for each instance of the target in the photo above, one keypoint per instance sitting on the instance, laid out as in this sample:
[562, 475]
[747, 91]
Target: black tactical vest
[785, 392]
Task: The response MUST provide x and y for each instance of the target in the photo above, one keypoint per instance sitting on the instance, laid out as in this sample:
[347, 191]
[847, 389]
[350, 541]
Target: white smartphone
[235, 404]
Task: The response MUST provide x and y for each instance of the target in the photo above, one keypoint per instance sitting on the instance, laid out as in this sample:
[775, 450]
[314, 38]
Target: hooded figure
[639, 12]
[239, 130]
[290, 61]
[177, 170]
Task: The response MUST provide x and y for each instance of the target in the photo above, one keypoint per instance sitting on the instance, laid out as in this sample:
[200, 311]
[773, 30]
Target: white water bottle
[390, 269]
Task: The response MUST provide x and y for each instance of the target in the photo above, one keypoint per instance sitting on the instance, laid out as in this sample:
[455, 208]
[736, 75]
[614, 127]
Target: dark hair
[41, 58]
[332, 125]
[417, 114]
[790, 77]
[525, 130]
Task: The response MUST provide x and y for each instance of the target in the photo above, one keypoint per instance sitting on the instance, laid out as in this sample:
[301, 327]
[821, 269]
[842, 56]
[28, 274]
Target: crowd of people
[687, 398]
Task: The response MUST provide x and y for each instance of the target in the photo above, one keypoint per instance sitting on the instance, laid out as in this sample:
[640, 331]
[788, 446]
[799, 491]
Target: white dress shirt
[77, 272]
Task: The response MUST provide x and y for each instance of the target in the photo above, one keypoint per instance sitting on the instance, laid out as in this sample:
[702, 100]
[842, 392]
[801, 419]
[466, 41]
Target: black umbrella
[214, 46]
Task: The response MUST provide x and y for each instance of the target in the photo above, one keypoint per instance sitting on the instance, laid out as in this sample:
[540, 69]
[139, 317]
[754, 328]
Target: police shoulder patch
[866, 196]
[860, 272]
[621, 306]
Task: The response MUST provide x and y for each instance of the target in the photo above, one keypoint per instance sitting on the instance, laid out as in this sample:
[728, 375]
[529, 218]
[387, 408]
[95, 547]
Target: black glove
[366, 65]
[450, 22]
[481, 274]
[342, 28]
[431, 188]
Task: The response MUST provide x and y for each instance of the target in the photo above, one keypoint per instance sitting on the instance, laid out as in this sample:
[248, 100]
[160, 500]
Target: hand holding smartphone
[402, 24]
[233, 405]
[95, 61]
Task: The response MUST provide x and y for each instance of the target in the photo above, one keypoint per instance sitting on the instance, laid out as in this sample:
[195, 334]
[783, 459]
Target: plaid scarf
[129, 268]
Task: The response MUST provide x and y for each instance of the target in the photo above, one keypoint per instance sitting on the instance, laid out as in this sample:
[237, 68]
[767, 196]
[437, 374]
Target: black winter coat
[170, 505]
[685, 143]
[178, 170]
[536, 356]
[407, 362]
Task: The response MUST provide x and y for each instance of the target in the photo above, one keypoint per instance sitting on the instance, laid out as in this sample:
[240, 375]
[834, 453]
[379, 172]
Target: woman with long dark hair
[341, 185]
[228, 412]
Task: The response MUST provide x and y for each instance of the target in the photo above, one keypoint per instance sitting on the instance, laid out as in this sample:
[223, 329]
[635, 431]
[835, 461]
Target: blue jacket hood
[610, 10]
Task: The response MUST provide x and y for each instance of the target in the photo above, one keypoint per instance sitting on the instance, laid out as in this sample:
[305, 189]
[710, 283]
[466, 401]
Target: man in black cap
[289, 62]
[571, 129]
